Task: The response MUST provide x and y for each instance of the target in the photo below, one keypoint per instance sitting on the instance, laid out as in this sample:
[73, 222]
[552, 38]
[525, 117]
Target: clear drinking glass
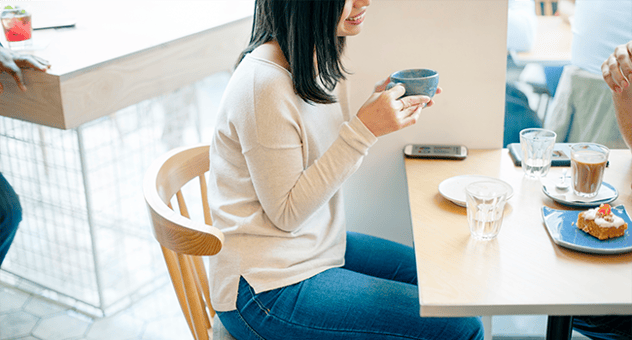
[18, 30]
[588, 163]
[485, 208]
[537, 149]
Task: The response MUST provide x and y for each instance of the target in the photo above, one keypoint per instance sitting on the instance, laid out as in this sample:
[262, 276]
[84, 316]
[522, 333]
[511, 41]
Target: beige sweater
[277, 168]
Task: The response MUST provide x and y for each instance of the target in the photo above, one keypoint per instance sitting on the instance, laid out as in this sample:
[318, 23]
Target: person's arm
[12, 63]
[617, 72]
[288, 191]
[623, 108]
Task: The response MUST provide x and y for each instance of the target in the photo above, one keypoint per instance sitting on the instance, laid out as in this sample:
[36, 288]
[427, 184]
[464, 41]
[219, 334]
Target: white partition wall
[465, 41]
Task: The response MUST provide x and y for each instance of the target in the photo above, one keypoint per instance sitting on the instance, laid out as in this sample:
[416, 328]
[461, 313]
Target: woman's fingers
[14, 71]
[411, 119]
[612, 74]
[42, 61]
[623, 54]
[617, 69]
[32, 62]
[396, 91]
[388, 111]
[415, 100]
[407, 112]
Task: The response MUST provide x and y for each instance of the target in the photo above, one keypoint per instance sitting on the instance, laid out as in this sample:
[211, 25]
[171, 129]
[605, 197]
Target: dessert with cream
[601, 223]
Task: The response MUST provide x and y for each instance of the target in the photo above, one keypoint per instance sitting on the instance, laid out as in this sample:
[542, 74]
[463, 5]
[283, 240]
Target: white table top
[108, 30]
[522, 271]
[120, 53]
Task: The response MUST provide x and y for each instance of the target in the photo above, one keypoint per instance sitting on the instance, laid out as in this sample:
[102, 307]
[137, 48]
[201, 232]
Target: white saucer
[607, 193]
[453, 189]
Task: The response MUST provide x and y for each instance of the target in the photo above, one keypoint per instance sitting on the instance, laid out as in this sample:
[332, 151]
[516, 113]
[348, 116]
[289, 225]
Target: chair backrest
[183, 240]
[544, 7]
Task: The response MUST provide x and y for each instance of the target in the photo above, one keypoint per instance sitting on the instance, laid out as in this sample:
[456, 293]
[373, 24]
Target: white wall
[465, 41]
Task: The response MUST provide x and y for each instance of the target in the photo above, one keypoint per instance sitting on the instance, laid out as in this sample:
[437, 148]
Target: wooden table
[552, 44]
[522, 271]
[105, 64]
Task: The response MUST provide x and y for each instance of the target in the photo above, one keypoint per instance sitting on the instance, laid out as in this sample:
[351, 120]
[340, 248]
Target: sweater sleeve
[290, 190]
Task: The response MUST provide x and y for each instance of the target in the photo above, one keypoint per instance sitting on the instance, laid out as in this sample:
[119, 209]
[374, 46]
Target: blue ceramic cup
[416, 81]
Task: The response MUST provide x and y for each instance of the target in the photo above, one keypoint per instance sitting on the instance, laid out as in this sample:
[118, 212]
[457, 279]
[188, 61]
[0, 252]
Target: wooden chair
[183, 240]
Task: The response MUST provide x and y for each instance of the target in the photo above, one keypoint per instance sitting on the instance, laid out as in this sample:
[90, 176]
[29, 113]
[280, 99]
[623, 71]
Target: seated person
[282, 148]
[10, 208]
[582, 110]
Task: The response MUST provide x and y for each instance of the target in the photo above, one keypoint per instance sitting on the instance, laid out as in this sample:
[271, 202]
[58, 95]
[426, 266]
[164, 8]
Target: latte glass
[588, 163]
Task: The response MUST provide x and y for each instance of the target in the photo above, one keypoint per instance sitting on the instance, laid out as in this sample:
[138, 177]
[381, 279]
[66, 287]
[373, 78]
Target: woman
[281, 151]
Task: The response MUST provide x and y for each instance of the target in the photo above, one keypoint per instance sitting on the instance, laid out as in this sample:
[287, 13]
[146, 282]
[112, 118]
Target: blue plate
[562, 226]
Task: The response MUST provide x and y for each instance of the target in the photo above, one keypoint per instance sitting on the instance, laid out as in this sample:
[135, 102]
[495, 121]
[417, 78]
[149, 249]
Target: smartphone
[458, 152]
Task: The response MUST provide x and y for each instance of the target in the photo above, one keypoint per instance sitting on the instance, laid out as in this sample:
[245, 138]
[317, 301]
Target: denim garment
[10, 216]
[604, 327]
[374, 296]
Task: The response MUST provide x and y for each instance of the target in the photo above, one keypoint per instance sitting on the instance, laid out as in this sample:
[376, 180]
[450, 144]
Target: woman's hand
[385, 112]
[617, 69]
[12, 63]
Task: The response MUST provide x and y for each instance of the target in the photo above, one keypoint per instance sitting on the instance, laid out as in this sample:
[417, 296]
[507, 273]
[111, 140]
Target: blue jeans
[374, 296]
[604, 327]
[10, 216]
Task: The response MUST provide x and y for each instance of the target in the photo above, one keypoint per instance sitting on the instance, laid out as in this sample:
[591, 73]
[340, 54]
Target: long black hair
[303, 29]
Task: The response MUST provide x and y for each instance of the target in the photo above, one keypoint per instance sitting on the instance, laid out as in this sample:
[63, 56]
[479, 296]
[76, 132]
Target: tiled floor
[522, 327]
[28, 317]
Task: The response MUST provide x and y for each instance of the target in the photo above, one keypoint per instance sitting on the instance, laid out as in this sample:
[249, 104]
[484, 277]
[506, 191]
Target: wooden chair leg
[174, 272]
[199, 267]
[197, 314]
[200, 290]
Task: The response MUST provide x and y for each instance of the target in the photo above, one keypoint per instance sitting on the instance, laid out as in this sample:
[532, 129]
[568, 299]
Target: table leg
[559, 327]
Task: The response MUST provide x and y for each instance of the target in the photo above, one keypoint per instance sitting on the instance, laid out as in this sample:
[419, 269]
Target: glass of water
[537, 149]
[486, 207]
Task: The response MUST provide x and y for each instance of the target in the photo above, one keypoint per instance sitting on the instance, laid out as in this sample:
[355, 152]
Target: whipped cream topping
[591, 214]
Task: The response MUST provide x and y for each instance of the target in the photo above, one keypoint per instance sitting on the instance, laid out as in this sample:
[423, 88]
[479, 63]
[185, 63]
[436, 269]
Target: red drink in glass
[16, 23]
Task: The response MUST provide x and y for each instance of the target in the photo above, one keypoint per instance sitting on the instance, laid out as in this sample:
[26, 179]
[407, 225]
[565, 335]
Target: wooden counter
[104, 64]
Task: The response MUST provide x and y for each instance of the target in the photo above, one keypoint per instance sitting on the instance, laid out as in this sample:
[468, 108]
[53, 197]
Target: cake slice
[601, 223]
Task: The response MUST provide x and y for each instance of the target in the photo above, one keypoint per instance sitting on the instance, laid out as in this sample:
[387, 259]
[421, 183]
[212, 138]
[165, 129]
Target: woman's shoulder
[261, 73]
[262, 87]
